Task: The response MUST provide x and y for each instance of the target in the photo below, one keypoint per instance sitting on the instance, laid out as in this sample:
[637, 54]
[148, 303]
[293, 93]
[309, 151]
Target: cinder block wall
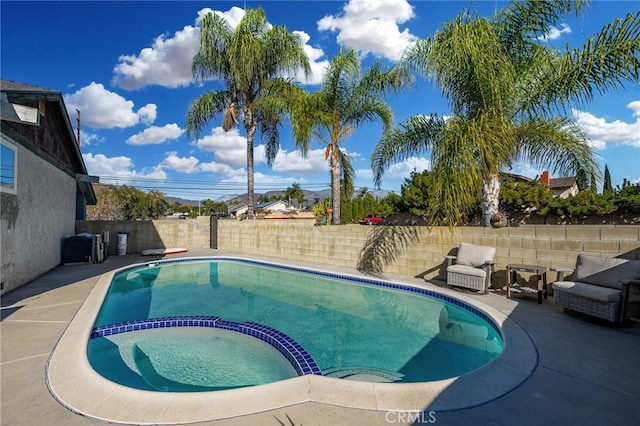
[149, 234]
[545, 245]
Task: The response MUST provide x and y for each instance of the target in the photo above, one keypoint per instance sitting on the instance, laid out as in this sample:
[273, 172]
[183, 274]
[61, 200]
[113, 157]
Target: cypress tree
[607, 188]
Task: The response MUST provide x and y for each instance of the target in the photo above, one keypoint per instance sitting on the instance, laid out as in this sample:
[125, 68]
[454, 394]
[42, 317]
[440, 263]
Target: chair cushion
[605, 271]
[589, 291]
[474, 255]
[467, 270]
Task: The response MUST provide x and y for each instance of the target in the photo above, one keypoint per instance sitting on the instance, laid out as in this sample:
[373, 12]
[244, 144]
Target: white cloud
[148, 113]
[395, 176]
[601, 132]
[273, 182]
[101, 108]
[240, 179]
[229, 147]
[294, 162]
[635, 107]
[403, 170]
[166, 63]
[155, 135]
[318, 65]
[180, 164]
[223, 169]
[117, 170]
[372, 27]
[233, 16]
[555, 33]
[89, 138]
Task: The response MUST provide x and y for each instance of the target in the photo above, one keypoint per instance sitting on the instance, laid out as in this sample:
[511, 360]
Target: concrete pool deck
[584, 372]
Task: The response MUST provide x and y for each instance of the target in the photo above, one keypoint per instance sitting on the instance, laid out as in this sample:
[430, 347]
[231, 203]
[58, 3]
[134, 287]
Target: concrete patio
[588, 372]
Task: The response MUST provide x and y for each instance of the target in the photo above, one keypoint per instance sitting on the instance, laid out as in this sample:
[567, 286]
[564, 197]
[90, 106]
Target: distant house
[272, 205]
[562, 187]
[264, 209]
[237, 210]
[44, 183]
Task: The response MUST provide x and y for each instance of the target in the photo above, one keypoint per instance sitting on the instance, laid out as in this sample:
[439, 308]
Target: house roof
[21, 93]
[237, 207]
[269, 204]
[563, 182]
[555, 183]
[517, 178]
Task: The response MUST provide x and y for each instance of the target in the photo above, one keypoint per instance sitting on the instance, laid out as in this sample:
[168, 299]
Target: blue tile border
[299, 358]
[369, 281]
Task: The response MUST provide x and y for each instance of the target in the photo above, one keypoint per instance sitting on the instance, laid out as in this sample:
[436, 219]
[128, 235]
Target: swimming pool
[253, 317]
[75, 384]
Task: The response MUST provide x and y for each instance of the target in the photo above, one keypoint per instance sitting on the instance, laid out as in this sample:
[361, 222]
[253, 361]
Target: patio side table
[512, 280]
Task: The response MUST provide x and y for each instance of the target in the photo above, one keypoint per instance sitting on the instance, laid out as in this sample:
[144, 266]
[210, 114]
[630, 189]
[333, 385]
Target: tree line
[529, 198]
[130, 203]
[518, 198]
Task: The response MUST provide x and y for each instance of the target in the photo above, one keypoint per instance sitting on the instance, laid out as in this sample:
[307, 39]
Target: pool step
[365, 374]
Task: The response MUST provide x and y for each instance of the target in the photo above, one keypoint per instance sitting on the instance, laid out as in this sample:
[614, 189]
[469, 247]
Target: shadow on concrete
[586, 370]
[64, 275]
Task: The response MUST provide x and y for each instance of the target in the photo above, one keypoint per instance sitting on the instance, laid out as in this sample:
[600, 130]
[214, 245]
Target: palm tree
[294, 192]
[250, 63]
[364, 191]
[509, 94]
[345, 100]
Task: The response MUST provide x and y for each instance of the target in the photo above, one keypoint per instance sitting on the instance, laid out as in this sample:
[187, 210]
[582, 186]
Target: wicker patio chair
[472, 267]
[602, 287]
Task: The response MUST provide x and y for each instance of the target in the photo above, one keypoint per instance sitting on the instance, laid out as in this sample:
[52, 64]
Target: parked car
[372, 219]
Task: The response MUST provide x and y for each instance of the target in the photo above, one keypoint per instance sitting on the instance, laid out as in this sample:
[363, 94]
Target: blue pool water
[343, 327]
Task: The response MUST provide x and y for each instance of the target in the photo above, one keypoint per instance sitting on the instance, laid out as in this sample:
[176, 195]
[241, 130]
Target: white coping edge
[77, 386]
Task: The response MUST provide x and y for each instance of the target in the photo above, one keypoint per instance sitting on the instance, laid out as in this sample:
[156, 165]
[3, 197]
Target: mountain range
[235, 198]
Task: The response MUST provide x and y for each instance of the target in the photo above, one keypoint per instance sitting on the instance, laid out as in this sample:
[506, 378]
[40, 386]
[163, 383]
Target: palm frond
[520, 23]
[210, 60]
[348, 173]
[558, 144]
[204, 109]
[415, 136]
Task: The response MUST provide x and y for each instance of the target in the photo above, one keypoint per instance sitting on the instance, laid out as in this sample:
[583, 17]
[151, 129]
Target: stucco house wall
[35, 220]
[44, 186]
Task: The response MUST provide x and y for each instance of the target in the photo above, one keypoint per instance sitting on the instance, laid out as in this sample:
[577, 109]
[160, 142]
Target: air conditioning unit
[80, 248]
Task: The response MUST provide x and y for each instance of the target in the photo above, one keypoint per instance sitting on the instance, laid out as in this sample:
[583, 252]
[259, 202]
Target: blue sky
[127, 67]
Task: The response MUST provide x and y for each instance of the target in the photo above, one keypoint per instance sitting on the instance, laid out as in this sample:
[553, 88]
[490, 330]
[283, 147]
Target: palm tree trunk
[490, 198]
[251, 127]
[335, 184]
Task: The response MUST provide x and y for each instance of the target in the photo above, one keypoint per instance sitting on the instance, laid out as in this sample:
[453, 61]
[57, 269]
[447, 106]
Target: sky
[126, 66]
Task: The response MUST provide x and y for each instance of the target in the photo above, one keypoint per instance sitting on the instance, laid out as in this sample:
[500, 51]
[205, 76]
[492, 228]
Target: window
[8, 164]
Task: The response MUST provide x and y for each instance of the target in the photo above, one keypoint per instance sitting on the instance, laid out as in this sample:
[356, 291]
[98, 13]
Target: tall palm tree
[249, 62]
[345, 100]
[509, 95]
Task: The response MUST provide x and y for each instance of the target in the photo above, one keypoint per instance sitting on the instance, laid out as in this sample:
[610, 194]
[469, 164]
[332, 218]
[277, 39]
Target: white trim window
[8, 167]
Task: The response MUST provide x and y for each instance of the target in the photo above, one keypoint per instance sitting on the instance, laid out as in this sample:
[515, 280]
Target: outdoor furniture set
[602, 287]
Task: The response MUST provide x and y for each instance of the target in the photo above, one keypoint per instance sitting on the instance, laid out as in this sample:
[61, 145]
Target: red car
[372, 219]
